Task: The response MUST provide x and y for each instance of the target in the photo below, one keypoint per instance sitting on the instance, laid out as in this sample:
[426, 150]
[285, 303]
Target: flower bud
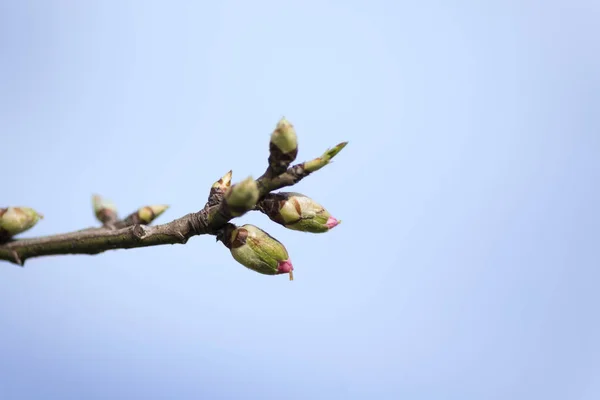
[298, 212]
[150, 213]
[104, 209]
[242, 197]
[14, 220]
[259, 251]
[320, 162]
[283, 146]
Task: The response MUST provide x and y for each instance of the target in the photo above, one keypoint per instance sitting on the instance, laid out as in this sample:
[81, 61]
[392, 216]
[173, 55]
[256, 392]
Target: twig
[129, 233]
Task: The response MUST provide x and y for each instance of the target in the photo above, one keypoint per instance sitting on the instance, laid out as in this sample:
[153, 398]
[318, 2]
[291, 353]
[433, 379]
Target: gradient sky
[466, 266]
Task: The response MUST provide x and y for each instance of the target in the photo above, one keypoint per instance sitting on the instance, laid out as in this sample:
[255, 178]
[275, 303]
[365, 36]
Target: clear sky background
[467, 263]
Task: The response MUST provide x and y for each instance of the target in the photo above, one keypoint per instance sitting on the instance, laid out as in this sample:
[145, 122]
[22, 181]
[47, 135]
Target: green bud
[284, 137]
[283, 147]
[15, 220]
[150, 213]
[298, 212]
[242, 196]
[320, 162]
[104, 209]
[259, 251]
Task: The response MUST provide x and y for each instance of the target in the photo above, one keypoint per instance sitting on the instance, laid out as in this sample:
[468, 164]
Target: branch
[295, 174]
[98, 240]
[131, 232]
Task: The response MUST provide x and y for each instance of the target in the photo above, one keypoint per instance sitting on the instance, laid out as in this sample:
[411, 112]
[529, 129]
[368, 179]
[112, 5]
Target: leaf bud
[242, 197]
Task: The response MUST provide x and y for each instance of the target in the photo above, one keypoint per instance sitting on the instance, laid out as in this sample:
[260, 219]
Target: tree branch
[130, 233]
[98, 240]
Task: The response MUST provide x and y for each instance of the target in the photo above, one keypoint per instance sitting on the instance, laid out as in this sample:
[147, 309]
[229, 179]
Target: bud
[283, 146]
[15, 220]
[104, 209]
[242, 197]
[318, 163]
[298, 212]
[259, 251]
[223, 183]
[150, 213]
[218, 189]
[284, 137]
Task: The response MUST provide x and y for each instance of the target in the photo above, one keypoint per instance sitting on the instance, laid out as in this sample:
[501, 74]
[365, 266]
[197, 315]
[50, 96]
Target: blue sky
[467, 263]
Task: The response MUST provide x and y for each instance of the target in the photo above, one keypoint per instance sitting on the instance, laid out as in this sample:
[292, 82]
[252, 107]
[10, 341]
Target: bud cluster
[250, 245]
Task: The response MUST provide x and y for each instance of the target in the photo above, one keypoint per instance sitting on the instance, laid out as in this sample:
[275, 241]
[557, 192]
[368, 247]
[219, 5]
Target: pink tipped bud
[285, 266]
[332, 222]
[257, 250]
[298, 212]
